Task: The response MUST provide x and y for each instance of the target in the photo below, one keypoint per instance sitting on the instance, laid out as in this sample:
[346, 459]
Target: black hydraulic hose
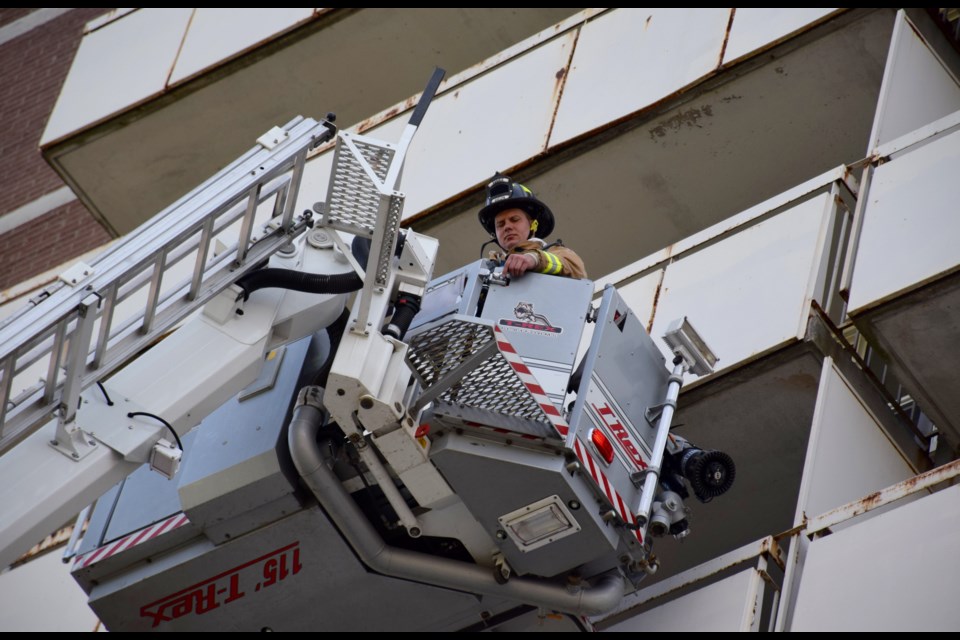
[404, 311]
[334, 333]
[360, 248]
[299, 281]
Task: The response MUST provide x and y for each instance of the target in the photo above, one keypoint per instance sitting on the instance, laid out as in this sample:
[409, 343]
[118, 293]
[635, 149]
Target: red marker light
[422, 430]
[602, 444]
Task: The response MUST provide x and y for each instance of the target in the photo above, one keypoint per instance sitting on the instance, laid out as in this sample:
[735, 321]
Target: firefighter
[519, 222]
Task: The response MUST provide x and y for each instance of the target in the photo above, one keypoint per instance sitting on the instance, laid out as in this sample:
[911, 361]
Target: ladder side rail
[128, 341]
[18, 421]
[157, 220]
[221, 218]
[119, 255]
[41, 345]
[242, 163]
[211, 227]
[237, 175]
[44, 396]
[161, 229]
[31, 413]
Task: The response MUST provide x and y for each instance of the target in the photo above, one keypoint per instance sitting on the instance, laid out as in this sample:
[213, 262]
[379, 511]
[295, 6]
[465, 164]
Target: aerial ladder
[437, 443]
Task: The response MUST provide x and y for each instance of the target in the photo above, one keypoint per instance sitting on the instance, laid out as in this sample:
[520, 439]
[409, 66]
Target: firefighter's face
[513, 227]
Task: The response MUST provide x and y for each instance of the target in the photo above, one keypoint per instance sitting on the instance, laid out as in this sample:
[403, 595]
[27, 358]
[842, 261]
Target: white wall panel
[917, 89]
[118, 66]
[216, 34]
[754, 28]
[628, 59]
[848, 454]
[747, 292]
[641, 294]
[717, 607]
[899, 571]
[489, 124]
[41, 596]
[910, 224]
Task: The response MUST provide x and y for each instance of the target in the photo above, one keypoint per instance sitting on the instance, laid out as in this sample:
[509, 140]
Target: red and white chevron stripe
[523, 372]
[596, 471]
[131, 540]
[553, 414]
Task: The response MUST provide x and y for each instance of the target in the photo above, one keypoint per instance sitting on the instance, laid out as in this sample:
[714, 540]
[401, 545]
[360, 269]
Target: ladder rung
[53, 368]
[66, 318]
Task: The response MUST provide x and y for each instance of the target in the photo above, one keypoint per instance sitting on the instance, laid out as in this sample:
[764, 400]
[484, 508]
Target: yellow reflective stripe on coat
[551, 265]
[557, 265]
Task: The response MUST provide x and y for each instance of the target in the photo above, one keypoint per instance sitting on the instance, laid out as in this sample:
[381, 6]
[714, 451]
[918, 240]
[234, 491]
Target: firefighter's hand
[517, 264]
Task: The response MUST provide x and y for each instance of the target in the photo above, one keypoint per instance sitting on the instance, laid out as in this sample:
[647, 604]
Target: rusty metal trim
[723, 229]
[559, 86]
[853, 243]
[918, 137]
[763, 548]
[457, 80]
[762, 49]
[726, 37]
[828, 338]
[883, 497]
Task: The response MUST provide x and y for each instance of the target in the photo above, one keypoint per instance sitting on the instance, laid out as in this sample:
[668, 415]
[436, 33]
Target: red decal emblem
[530, 321]
[226, 587]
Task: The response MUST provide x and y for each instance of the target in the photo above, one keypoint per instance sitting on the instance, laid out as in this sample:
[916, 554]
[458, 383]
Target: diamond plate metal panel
[353, 199]
[491, 392]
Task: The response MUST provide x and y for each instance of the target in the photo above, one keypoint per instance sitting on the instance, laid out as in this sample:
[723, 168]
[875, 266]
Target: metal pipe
[308, 416]
[382, 476]
[656, 460]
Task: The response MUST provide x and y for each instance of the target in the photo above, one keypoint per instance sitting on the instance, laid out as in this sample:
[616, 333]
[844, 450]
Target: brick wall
[45, 242]
[12, 15]
[33, 67]
[32, 70]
